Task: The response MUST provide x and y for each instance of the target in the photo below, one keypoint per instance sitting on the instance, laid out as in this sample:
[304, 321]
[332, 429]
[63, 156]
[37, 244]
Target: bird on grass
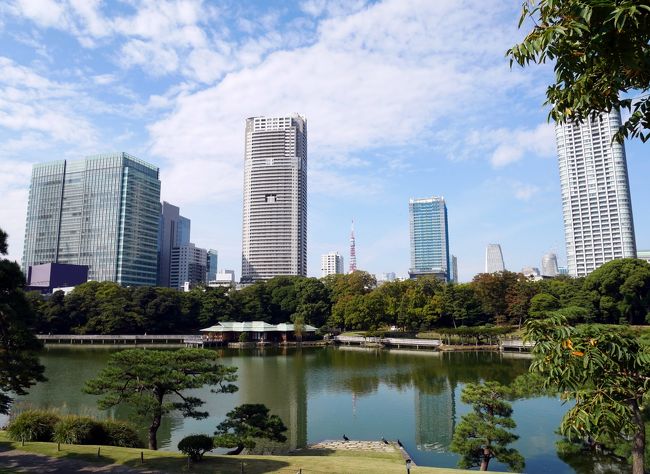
[384, 440]
[399, 443]
[345, 438]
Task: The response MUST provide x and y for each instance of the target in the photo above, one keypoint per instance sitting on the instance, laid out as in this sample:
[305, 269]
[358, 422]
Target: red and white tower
[353, 252]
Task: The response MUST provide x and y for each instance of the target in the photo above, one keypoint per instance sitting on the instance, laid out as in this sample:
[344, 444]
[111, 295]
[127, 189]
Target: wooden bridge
[127, 339]
[388, 341]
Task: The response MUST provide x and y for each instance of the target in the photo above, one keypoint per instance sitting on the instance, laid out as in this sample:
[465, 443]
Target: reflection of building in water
[435, 418]
[279, 383]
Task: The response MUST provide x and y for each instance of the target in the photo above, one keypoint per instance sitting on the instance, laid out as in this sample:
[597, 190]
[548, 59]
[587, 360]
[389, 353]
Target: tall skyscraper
[429, 238]
[549, 265]
[174, 232]
[101, 211]
[188, 264]
[331, 264]
[213, 261]
[454, 269]
[598, 223]
[275, 198]
[494, 259]
[353, 250]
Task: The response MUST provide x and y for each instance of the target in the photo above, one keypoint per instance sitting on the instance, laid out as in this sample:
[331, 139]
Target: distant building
[223, 278]
[188, 265]
[549, 265]
[256, 331]
[213, 261]
[454, 269]
[353, 250]
[429, 238]
[174, 232]
[331, 264]
[598, 224]
[494, 259]
[275, 198]
[562, 270]
[643, 255]
[48, 276]
[101, 211]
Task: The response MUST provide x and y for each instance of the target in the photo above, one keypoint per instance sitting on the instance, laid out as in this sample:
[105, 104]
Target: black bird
[384, 440]
[400, 443]
[345, 438]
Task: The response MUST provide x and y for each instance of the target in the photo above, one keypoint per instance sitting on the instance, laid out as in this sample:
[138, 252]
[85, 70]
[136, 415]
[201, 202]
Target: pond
[324, 393]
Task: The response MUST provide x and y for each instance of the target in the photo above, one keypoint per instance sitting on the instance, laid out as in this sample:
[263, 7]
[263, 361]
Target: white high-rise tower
[598, 223]
[549, 265]
[494, 259]
[275, 198]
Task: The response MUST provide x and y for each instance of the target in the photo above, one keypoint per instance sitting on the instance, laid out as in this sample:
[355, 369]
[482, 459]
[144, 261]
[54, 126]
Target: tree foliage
[605, 370]
[195, 446]
[601, 50]
[19, 366]
[247, 423]
[484, 434]
[154, 382]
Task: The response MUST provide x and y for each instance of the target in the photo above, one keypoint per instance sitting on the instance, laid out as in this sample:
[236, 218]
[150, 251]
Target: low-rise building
[255, 331]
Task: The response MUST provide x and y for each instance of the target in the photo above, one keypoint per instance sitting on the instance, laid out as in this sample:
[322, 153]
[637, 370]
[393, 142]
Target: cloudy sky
[404, 98]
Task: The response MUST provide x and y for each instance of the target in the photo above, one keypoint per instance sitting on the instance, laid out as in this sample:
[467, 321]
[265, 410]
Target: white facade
[598, 223]
[275, 198]
[188, 265]
[331, 264]
[494, 259]
[643, 255]
[454, 269]
[223, 278]
[549, 265]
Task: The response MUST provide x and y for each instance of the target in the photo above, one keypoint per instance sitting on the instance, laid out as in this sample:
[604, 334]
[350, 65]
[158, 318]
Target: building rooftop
[255, 326]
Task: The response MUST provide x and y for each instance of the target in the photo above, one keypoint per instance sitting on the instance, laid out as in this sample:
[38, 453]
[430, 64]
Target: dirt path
[22, 461]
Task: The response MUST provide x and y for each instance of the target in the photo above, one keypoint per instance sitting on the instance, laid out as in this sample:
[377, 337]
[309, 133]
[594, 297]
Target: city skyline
[176, 92]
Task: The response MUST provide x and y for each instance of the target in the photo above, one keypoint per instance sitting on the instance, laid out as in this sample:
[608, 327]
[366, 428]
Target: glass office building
[101, 211]
[429, 238]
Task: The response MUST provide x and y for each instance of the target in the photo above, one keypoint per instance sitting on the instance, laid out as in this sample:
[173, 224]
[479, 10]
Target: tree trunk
[237, 450]
[153, 430]
[486, 459]
[155, 424]
[638, 440]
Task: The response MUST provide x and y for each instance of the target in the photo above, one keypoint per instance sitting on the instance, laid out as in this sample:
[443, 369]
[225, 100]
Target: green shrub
[244, 337]
[33, 425]
[121, 433]
[195, 446]
[74, 429]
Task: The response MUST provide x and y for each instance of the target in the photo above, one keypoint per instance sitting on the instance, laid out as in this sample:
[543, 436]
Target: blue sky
[404, 98]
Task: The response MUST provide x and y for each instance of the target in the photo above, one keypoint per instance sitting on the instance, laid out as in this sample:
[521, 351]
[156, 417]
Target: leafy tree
[215, 305]
[19, 366]
[541, 303]
[355, 283]
[483, 434]
[605, 370]
[461, 306]
[492, 290]
[246, 423]
[601, 50]
[146, 379]
[621, 289]
[195, 446]
[518, 298]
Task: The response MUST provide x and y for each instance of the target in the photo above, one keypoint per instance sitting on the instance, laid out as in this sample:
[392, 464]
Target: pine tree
[484, 433]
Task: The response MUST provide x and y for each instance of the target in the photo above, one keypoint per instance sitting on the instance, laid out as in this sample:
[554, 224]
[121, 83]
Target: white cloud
[513, 145]
[30, 102]
[14, 183]
[524, 191]
[381, 76]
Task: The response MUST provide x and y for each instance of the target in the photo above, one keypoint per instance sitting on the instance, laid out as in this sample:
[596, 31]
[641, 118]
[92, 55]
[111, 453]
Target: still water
[324, 393]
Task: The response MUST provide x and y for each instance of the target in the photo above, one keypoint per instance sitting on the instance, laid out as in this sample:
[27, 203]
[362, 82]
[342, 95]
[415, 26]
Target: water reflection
[324, 393]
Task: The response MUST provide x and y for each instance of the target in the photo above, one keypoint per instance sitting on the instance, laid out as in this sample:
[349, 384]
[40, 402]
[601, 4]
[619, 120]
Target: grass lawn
[310, 461]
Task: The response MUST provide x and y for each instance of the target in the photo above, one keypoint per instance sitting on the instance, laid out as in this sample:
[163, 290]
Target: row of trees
[618, 292]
